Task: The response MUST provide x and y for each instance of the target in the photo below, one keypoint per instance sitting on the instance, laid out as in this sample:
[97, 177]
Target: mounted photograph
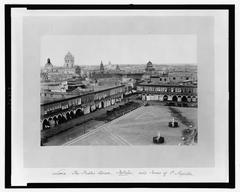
[120, 95]
[119, 90]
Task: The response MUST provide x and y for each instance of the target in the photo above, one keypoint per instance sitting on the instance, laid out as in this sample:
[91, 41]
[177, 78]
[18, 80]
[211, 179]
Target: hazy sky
[120, 49]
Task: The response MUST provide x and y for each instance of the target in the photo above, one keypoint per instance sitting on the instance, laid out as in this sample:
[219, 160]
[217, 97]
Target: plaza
[138, 128]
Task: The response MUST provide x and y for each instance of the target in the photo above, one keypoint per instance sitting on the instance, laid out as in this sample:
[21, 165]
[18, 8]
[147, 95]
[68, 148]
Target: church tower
[69, 60]
[101, 67]
[48, 66]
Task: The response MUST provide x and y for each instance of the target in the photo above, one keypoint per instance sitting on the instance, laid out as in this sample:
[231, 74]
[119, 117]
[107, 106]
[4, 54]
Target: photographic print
[120, 94]
[119, 90]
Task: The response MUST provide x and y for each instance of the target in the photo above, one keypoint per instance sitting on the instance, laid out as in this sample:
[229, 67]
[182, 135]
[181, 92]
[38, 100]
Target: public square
[138, 128]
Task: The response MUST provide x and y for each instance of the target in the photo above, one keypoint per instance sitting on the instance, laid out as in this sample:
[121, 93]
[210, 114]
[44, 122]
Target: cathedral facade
[68, 70]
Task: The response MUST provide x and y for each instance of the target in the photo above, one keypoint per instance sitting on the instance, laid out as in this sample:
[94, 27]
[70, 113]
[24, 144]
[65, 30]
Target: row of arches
[67, 116]
[181, 99]
[175, 98]
[61, 118]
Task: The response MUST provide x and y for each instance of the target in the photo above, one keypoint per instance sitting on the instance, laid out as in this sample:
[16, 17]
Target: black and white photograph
[119, 90]
[135, 94]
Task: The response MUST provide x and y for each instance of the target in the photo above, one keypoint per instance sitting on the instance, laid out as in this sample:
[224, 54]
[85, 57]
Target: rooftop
[74, 96]
[167, 84]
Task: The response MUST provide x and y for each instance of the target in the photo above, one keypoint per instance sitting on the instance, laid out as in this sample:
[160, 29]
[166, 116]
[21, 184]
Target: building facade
[168, 92]
[63, 110]
[68, 70]
[174, 78]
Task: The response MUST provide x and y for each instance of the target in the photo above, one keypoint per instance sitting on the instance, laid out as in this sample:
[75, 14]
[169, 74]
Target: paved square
[138, 128]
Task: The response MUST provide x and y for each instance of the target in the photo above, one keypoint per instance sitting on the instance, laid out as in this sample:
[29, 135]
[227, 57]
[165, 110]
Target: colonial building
[71, 84]
[68, 70]
[172, 92]
[65, 109]
[48, 96]
[174, 78]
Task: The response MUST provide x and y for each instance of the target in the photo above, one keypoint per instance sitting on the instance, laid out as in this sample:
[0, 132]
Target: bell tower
[69, 60]
[101, 67]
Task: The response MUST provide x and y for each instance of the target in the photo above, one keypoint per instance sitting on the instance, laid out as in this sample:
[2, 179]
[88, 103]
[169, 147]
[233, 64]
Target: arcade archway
[184, 99]
[60, 120]
[68, 117]
[55, 120]
[174, 98]
[45, 124]
[165, 98]
[194, 99]
[102, 104]
[79, 113]
[72, 116]
[64, 119]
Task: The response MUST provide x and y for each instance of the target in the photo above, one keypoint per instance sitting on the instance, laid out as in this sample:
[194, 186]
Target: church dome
[68, 56]
[48, 65]
[149, 64]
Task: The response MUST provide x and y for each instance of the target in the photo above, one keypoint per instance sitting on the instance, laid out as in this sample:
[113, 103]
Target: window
[178, 90]
[187, 78]
[160, 79]
[174, 78]
[165, 79]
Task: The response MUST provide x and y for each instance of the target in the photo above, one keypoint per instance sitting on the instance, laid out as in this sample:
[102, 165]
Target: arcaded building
[181, 92]
[65, 109]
